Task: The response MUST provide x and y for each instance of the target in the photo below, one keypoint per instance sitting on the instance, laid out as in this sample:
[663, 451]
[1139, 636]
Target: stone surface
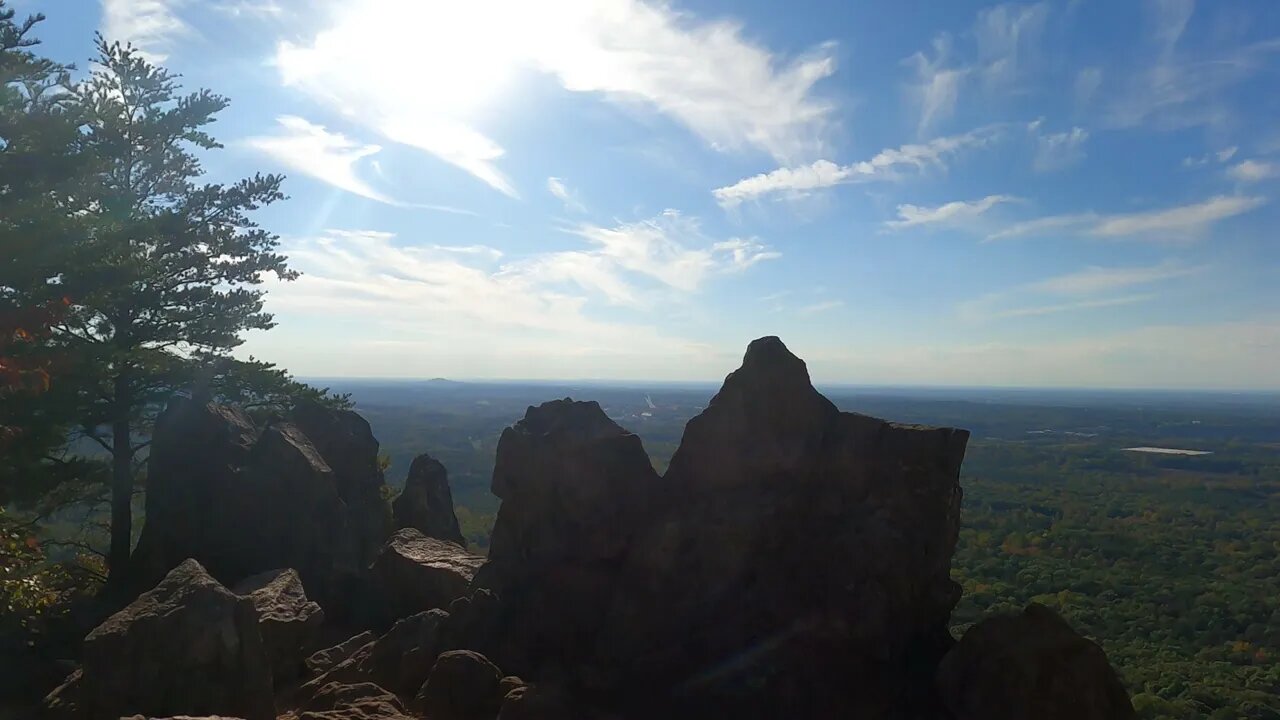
[243, 499]
[426, 503]
[793, 560]
[188, 646]
[1030, 665]
[463, 685]
[415, 573]
[356, 701]
[346, 442]
[323, 660]
[398, 661]
[289, 622]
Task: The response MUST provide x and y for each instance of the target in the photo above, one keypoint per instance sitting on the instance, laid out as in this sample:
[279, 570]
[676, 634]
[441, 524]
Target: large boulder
[356, 701]
[794, 559]
[1030, 665]
[426, 503]
[187, 647]
[398, 661]
[415, 573]
[463, 685]
[244, 499]
[289, 622]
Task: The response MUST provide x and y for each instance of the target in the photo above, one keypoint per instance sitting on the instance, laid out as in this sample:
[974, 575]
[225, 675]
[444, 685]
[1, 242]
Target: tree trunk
[121, 480]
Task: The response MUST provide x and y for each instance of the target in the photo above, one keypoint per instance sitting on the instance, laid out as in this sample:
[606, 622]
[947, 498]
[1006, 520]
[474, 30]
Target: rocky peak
[426, 503]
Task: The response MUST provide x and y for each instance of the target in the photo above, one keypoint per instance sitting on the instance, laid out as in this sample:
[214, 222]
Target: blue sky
[1050, 194]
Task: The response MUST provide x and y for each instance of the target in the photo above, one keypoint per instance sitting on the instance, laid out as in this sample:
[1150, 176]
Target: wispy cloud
[1090, 288]
[1055, 151]
[327, 156]
[1254, 171]
[820, 307]
[1005, 38]
[152, 26]
[1177, 223]
[481, 315]
[729, 91]
[557, 188]
[249, 8]
[888, 164]
[1095, 279]
[952, 213]
[1171, 88]
[1221, 156]
[670, 250]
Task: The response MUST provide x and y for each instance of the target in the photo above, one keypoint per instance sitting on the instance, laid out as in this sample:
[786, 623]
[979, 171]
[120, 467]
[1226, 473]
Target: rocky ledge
[794, 561]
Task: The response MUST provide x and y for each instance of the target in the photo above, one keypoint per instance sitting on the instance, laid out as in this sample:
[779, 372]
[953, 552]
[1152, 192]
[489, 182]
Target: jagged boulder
[398, 661]
[188, 646]
[244, 499]
[426, 504]
[289, 622]
[415, 573]
[323, 660]
[463, 685]
[356, 701]
[1030, 665]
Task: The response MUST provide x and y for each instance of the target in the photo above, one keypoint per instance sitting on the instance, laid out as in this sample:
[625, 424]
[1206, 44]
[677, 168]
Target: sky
[1055, 194]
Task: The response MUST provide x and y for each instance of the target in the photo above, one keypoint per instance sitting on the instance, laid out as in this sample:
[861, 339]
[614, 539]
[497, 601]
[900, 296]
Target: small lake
[1168, 451]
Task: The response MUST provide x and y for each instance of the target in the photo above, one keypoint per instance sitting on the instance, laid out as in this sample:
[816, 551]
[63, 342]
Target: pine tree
[162, 283]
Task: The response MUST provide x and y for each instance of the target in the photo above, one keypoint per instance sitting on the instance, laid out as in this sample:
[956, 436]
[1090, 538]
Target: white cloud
[1178, 222]
[952, 213]
[556, 187]
[419, 72]
[327, 156]
[1226, 154]
[1254, 171]
[1182, 220]
[1088, 80]
[152, 26]
[1055, 151]
[888, 164]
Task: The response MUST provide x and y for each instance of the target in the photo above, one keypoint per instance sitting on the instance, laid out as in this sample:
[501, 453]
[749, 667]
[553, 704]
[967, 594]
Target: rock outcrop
[426, 503]
[243, 499]
[189, 646]
[288, 621]
[463, 685]
[793, 559]
[415, 573]
[357, 701]
[323, 660]
[398, 661]
[1030, 665]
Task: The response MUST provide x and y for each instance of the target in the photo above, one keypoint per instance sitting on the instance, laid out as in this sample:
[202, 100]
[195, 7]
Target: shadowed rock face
[415, 573]
[188, 646]
[793, 559]
[244, 500]
[426, 504]
[1030, 665]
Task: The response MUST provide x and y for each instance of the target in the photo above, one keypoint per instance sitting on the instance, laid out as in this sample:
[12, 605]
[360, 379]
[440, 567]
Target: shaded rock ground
[792, 562]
